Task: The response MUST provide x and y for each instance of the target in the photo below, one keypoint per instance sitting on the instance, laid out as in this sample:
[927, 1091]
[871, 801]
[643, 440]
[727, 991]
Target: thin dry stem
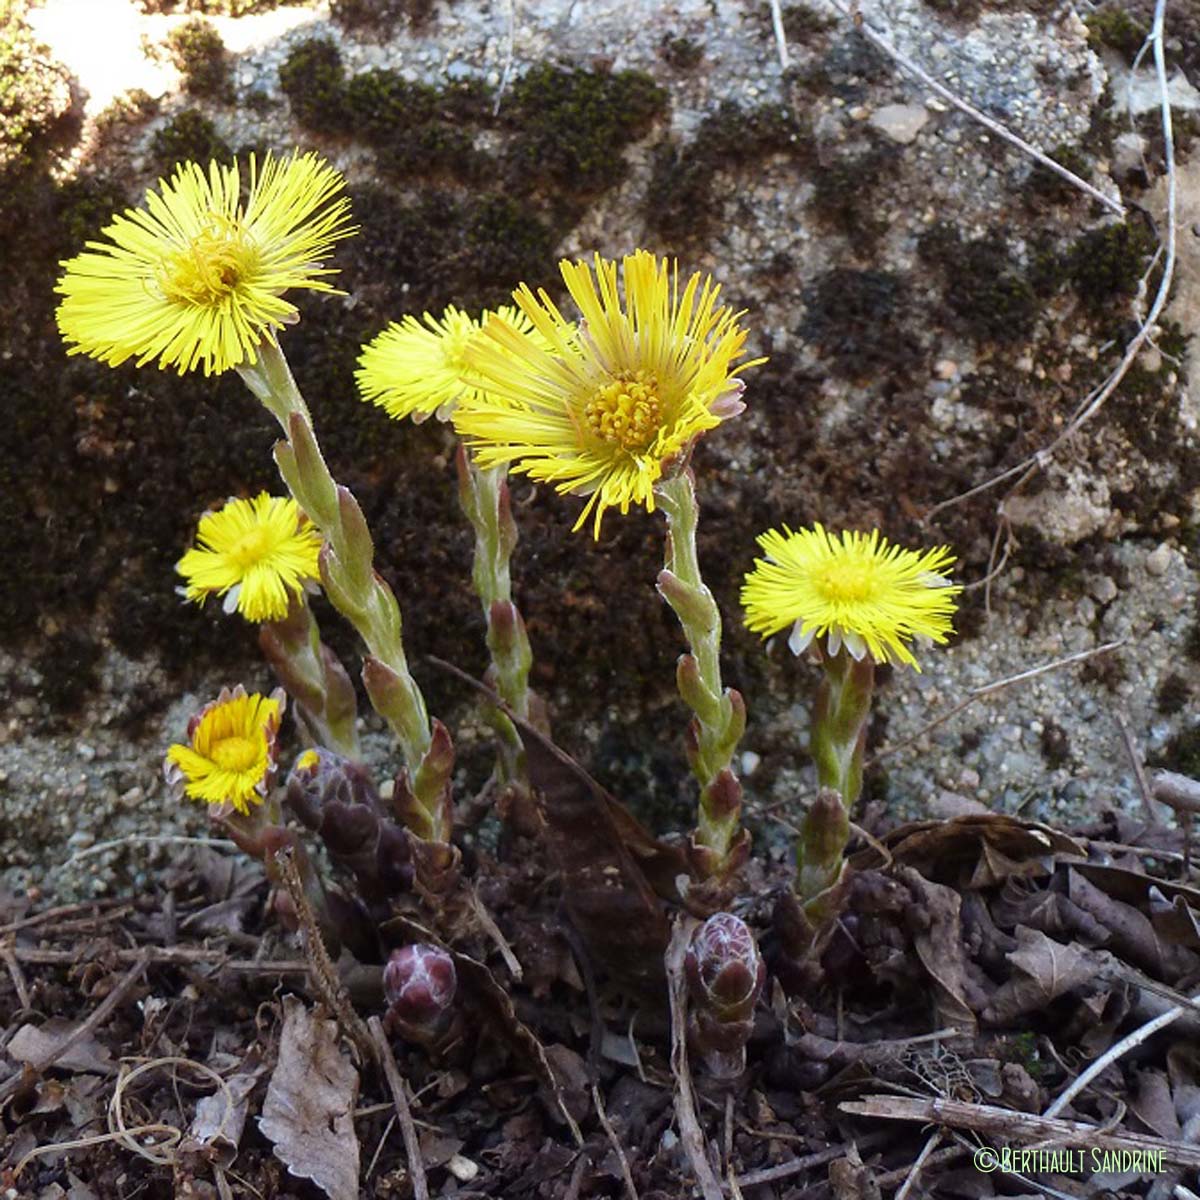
[399, 1090]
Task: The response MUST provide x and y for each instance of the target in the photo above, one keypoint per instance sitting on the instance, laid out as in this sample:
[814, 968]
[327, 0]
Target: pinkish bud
[725, 975]
[420, 984]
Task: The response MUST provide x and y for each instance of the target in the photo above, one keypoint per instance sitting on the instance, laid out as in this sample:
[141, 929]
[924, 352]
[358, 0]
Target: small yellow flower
[414, 370]
[256, 553]
[230, 755]
[604, 407]
[852, 589]
[197, 278]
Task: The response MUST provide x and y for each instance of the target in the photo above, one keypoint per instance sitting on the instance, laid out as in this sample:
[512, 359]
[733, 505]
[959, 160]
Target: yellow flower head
[602, 408]
[413, 369]
[256, 553]
[230, 755]
[854, 590]
[196, 277]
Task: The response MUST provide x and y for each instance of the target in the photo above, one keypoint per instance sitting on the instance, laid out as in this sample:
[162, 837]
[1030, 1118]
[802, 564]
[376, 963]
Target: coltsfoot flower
[852, 589]
[605, 407]
[256, 553]
[416, 368]
[196, 277]
[231, 750]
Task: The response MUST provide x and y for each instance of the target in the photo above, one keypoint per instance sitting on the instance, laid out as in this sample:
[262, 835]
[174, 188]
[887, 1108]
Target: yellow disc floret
[196, 277]
[626, 412]
[257, 553]
[602, 407]
[852, 589]
[230, 755]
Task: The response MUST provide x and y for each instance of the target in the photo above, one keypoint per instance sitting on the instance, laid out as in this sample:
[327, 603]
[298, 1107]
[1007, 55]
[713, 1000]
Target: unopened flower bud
[337, 799]
[725, 975]
[320, 778]
[421, 985]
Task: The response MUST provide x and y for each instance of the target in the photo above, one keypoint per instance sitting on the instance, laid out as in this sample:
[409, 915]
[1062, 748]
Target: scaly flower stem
[837, 741]
[313, 677]
[483, 494]
[360, 594]
[720, 712]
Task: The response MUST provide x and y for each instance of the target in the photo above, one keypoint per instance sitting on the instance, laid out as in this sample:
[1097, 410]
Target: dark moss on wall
[682, 53]
[680, 206]
[199, 54]
[801, 22]
[417, 129]
[1112, 27]
[1181, 753]
[856, 320]
[844, 200]
[36, 108]
[1109, 262]
[572, 125]
[188, 137]
[1047, 186]
[986, 294]
[379, 16]
[1174, 693]
[312, 79]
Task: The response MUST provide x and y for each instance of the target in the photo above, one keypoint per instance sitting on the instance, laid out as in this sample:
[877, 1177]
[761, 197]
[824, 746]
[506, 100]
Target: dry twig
[322, 972]
[1114, 1052]
[98, 1016]
[1021, 1126]
[690, 1133]
[614, 1141]
[935, 85]
[1095, 400]
[399, 1090]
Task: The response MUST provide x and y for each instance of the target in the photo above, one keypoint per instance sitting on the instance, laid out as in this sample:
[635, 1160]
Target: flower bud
[337, 799]
[421, 985]
[725, 975]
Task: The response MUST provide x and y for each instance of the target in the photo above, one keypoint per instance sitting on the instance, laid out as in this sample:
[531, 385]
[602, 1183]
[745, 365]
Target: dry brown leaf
[217, 1126]
[939, 946]
[309, 1111]
[1153, 1105]
[1043, 970]
[1133, 936]
[976, 850]
[34, 1044]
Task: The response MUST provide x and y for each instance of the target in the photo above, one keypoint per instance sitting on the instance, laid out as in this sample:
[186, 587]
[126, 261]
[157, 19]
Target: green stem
[837, 741]
[356, 590]
[719, 712]
[483, 494]
[313, 677]
[839, 723]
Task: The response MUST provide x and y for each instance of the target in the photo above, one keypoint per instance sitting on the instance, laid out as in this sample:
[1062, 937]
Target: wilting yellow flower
[230, 755]
[256, 553]
[853, 589]
[413, 369]
[197, 278]
[604, 407]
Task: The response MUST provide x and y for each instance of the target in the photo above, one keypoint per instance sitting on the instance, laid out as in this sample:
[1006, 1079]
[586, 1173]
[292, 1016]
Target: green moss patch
[856, 320]
[198, 52]
[35, 97]
[987, 295]
[188, 137]
[571, 124]
[1109, 262]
